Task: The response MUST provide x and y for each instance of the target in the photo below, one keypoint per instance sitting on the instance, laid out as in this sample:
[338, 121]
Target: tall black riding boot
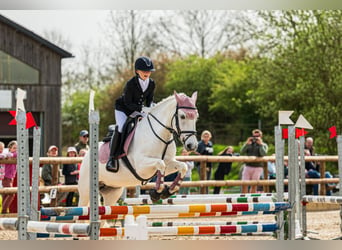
[114, 151]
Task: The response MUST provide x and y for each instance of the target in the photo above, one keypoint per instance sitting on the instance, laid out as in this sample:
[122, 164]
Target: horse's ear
[177, 96]
[194, 96]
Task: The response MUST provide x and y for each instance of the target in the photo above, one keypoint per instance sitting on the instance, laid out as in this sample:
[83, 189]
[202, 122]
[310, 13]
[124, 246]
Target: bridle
[175, 132]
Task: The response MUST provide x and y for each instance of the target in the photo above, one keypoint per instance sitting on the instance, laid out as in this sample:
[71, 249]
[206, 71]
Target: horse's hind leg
[83, 191]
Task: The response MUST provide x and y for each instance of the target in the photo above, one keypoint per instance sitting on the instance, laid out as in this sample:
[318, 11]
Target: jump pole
[22, 171]
[94, 120]
[292, 167]
[339, 150]
[302, 209]
[166, 209]
[34, 213]
[279, 150]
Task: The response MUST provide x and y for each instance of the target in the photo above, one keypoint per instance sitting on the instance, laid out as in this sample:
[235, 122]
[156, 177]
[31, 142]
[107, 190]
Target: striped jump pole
[212, 230]
[81, 217]
[162, 209]
[200, 200]
[113, 233]
[9, 224]
[104, 232]
[71, 218]
[61, 228]
[200, 223]
[322, 199]
[146, 196]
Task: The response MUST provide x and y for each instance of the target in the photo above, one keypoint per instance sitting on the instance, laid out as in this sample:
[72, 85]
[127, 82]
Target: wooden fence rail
[56, 161]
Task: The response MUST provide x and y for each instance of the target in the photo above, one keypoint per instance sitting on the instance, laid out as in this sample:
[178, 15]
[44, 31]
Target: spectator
[223, 167]
[10, 173]
[254, 146]
[70, 172]
[138, 91]
[82, 141]
[47, 168]
[46, 173]
[309, 145]
[271, 169]
[187, 177]
[205, 147]
[2, 167]
[312, 171]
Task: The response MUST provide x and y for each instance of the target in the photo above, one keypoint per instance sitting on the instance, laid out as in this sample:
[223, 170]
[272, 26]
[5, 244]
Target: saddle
[126, 136]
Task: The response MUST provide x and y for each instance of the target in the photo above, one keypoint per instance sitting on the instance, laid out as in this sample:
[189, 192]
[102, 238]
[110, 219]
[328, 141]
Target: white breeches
[120, 118]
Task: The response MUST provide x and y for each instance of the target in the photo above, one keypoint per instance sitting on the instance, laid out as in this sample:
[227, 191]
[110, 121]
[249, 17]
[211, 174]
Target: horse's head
[185, 120]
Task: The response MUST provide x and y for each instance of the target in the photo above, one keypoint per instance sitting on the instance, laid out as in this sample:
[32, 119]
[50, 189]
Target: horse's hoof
[166, 193]
[154, 195]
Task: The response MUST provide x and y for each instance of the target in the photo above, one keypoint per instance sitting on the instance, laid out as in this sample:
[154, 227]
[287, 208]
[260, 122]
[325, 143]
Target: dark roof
[63, 53]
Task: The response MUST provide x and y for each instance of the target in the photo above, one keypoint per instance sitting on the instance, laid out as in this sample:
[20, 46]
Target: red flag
[30, 122]
[333, 132]
[300, 132]
[14, 121]
[285, 133]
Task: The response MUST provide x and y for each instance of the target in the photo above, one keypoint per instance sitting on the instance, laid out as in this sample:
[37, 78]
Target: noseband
[176, 133]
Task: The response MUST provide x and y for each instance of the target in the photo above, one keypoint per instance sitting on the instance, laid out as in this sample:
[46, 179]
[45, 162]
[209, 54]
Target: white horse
[151, 152]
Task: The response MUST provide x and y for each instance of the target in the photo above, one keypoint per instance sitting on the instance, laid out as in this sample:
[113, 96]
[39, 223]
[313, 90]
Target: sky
[80, 27]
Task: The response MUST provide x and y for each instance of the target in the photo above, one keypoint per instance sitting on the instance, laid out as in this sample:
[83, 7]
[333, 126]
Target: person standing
[205, 147]
[82, 141]
[138, 91]
[46, 173]
[10, 173]
[70, 173]
[254, 146]
[2, 167]
[223, 167]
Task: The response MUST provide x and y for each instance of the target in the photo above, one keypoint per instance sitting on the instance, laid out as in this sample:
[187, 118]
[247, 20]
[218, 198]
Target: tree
[130, 35]
[305, 73]
[202, 32]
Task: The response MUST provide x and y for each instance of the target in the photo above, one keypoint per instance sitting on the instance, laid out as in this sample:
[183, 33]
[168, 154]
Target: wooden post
[203, 176]
[323, 188]
[265, 188]
[55, 180]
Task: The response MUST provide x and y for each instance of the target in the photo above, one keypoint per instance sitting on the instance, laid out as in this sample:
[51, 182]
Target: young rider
[138, 91]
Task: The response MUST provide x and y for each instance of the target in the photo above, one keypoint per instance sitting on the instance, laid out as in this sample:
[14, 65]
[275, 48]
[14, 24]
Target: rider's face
[144, 74]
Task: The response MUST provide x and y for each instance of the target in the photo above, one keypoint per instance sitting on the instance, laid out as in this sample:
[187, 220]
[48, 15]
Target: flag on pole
[300, 132]
[285, 133]
[333, 132]
[30, 122]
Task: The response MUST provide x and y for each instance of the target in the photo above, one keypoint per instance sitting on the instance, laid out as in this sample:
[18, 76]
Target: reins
[175, 134]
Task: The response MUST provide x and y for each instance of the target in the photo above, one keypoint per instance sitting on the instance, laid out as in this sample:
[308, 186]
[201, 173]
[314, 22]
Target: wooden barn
[32, 63]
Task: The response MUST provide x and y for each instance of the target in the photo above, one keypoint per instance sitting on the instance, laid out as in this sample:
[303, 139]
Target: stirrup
[112, 165]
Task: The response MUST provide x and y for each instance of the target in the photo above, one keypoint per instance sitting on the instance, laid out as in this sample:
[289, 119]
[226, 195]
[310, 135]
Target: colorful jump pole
[205, 200]
[165, 209]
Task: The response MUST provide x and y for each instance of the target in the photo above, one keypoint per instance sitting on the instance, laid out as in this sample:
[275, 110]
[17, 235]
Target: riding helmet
[144, 63]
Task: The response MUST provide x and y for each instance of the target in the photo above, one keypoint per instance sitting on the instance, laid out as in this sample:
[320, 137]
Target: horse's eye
[182, 116]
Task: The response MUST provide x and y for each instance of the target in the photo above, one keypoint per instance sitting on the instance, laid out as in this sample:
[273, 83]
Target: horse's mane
[190, 113]
[165, 100]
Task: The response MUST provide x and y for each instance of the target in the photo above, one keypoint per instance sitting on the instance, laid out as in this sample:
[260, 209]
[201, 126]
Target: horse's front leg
[182, 168]
[160, 166]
